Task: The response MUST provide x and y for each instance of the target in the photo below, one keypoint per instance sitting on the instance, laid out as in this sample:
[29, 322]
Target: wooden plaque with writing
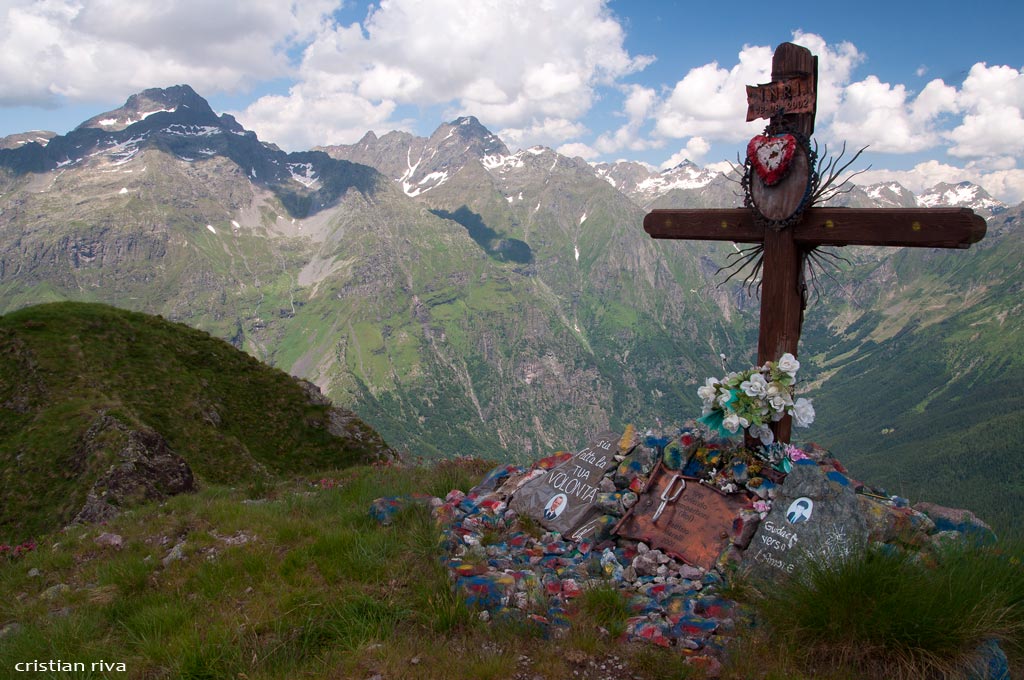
[694, 527]
[787, 95]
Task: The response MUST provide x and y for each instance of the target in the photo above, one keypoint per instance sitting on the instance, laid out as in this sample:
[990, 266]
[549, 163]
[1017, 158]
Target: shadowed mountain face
[468, 299]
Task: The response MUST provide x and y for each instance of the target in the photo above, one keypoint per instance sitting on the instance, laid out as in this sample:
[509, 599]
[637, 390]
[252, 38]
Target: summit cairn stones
[787, 511]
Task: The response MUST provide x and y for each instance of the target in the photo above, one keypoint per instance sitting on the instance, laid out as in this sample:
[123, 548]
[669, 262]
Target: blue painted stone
[712, 579]
[656, 442]
[740, 472]
[678, 605]
[993, 664]
[494, 478]
[694, 468]
[838, 477]
[689, 626]
[610, 565]
[673, 458]
[609, 502]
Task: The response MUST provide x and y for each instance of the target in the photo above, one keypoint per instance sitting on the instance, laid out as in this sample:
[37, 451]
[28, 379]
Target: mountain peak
[155, 100]
[40, 137]
[964, 194]
[469, 130]
[686, 164]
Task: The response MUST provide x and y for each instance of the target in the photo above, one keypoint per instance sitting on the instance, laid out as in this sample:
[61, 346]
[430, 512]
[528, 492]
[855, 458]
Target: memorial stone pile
[668, 518]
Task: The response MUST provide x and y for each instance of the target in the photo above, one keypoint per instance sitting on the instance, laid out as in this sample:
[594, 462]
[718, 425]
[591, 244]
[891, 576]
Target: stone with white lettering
[564, 499]
[815, 516]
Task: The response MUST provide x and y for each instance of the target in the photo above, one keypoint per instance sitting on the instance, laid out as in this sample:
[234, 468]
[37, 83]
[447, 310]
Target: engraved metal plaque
[691, 522]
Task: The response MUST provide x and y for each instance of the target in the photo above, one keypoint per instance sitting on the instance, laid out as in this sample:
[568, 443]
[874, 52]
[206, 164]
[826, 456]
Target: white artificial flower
[733, 422]
[803, 412]
[762, 432]
[778, 397]
[755, 386]
[724, 397]
[788, 364]
[707, 392]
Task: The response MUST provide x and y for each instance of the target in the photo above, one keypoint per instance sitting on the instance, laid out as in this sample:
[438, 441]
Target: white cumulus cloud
[695, 150]
[89, 50]
[711, 101]
[878, 115]
[992, 98]
[547, 132]
[511, 63]
[574, 149]
[637, 108]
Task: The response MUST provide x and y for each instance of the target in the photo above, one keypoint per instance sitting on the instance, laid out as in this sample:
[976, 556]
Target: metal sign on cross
[778, 216]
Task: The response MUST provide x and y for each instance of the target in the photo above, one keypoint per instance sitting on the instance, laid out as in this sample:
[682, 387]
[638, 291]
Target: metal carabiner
[667, 496]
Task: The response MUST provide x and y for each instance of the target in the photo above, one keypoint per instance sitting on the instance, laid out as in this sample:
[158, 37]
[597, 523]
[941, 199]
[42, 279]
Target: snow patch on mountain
[118, 123]
[964, 194]
[502, 163]
[193, 130]
[644, 183]
[304, 174]
[430, 181]
[876, 191]
[683, 176]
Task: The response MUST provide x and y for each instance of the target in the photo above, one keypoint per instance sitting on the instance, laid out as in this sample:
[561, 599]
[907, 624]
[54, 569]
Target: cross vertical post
[781, 280]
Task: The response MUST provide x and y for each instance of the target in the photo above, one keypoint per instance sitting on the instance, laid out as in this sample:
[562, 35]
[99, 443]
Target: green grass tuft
[884, 613]
[605, 606]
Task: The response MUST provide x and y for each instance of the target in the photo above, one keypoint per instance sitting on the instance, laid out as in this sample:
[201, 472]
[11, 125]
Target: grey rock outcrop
[142, 468]
[345, 424]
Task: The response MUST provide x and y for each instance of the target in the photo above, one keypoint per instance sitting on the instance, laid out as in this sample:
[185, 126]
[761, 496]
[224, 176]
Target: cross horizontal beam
[920, 227]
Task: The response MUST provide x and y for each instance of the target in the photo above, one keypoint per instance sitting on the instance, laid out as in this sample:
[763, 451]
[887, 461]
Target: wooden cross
[783, 295]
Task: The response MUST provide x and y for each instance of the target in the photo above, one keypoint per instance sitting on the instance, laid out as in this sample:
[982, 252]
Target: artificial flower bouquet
[751, 399]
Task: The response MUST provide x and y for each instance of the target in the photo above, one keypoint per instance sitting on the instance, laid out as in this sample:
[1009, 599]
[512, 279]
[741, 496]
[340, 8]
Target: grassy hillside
[65, 368]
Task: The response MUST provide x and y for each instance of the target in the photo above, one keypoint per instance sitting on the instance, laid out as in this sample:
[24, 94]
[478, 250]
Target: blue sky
[935, 91]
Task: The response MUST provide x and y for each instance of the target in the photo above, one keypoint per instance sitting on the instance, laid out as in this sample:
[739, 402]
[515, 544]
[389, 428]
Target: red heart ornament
[771, 156]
